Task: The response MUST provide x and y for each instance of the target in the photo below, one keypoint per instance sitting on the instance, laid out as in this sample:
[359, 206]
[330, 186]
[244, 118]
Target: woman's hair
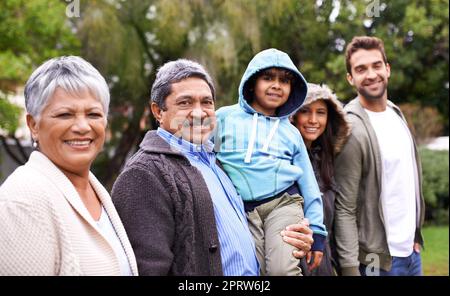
[336, 132]
[71, 73]
[326, 151]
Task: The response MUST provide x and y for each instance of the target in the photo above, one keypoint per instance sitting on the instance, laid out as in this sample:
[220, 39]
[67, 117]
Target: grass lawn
[435, 255]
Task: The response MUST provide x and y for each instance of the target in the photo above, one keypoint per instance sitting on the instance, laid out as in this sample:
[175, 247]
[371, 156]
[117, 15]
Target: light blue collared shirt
[237, 248]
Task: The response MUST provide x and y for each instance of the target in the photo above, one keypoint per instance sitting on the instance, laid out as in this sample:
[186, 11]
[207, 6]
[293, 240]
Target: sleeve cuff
[319, 242]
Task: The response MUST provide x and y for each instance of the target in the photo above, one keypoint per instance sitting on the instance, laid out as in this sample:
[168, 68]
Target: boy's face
[272, 89]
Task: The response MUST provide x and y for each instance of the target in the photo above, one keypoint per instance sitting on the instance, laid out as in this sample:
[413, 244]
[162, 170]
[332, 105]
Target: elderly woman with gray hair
[55, 216]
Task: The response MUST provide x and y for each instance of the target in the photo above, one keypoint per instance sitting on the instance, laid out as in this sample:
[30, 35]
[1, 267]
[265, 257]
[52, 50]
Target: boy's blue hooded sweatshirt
[265, 155]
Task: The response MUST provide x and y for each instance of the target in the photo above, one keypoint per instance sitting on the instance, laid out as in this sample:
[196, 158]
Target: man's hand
[316, 257]
[417, 247]
[300, 236]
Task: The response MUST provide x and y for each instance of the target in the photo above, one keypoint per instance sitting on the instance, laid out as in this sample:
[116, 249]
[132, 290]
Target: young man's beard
[370, 96]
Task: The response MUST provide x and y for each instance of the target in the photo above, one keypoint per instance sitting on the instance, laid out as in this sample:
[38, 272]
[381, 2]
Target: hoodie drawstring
[271, 134]
[251, 143]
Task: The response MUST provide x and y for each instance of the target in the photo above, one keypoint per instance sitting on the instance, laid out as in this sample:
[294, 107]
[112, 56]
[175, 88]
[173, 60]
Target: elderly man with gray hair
[181, 211]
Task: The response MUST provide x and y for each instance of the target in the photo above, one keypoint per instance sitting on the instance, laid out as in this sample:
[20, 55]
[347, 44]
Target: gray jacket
[359, 224]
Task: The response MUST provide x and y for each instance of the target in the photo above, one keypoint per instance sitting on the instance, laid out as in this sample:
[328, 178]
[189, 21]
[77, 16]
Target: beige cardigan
[45, 229]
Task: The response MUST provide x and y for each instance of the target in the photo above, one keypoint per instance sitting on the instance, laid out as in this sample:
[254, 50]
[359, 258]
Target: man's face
[189, 111]
[369, 74]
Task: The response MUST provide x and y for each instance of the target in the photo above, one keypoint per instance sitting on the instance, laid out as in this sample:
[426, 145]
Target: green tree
[129, 40]
[139, 37]
[415, 33]
[31, 31]
[416, 37]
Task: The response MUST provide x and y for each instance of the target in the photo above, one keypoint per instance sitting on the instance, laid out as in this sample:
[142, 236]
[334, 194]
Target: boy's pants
[266, 222]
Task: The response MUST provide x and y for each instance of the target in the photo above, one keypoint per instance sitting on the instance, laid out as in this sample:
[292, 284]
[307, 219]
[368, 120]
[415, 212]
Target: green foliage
[9, 116]
[415, 35]
[31, 31]
[224, 35]
[128, 40]
[435, 168]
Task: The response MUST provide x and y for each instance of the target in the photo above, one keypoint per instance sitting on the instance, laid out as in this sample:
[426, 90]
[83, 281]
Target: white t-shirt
[398, 194]
[108, 231]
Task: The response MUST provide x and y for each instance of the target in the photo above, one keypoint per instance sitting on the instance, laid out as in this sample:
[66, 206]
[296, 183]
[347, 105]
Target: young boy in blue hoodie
[265, 157]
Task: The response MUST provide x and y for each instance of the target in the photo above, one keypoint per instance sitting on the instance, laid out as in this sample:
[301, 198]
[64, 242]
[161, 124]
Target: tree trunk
[127, 142]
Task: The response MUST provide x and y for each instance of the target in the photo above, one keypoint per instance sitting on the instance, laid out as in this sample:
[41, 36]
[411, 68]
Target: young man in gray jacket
[380, 207]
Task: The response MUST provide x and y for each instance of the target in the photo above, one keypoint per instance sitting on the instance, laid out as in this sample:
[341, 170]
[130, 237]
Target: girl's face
[311, 121]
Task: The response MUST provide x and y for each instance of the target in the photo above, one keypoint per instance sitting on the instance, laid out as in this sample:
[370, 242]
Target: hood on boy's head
[273, 58]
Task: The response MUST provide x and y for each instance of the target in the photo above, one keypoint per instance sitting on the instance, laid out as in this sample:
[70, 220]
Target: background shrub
[435, 168]
[424, 122]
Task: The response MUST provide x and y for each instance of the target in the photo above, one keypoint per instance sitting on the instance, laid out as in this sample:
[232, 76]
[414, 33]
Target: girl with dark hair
[324, 128]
